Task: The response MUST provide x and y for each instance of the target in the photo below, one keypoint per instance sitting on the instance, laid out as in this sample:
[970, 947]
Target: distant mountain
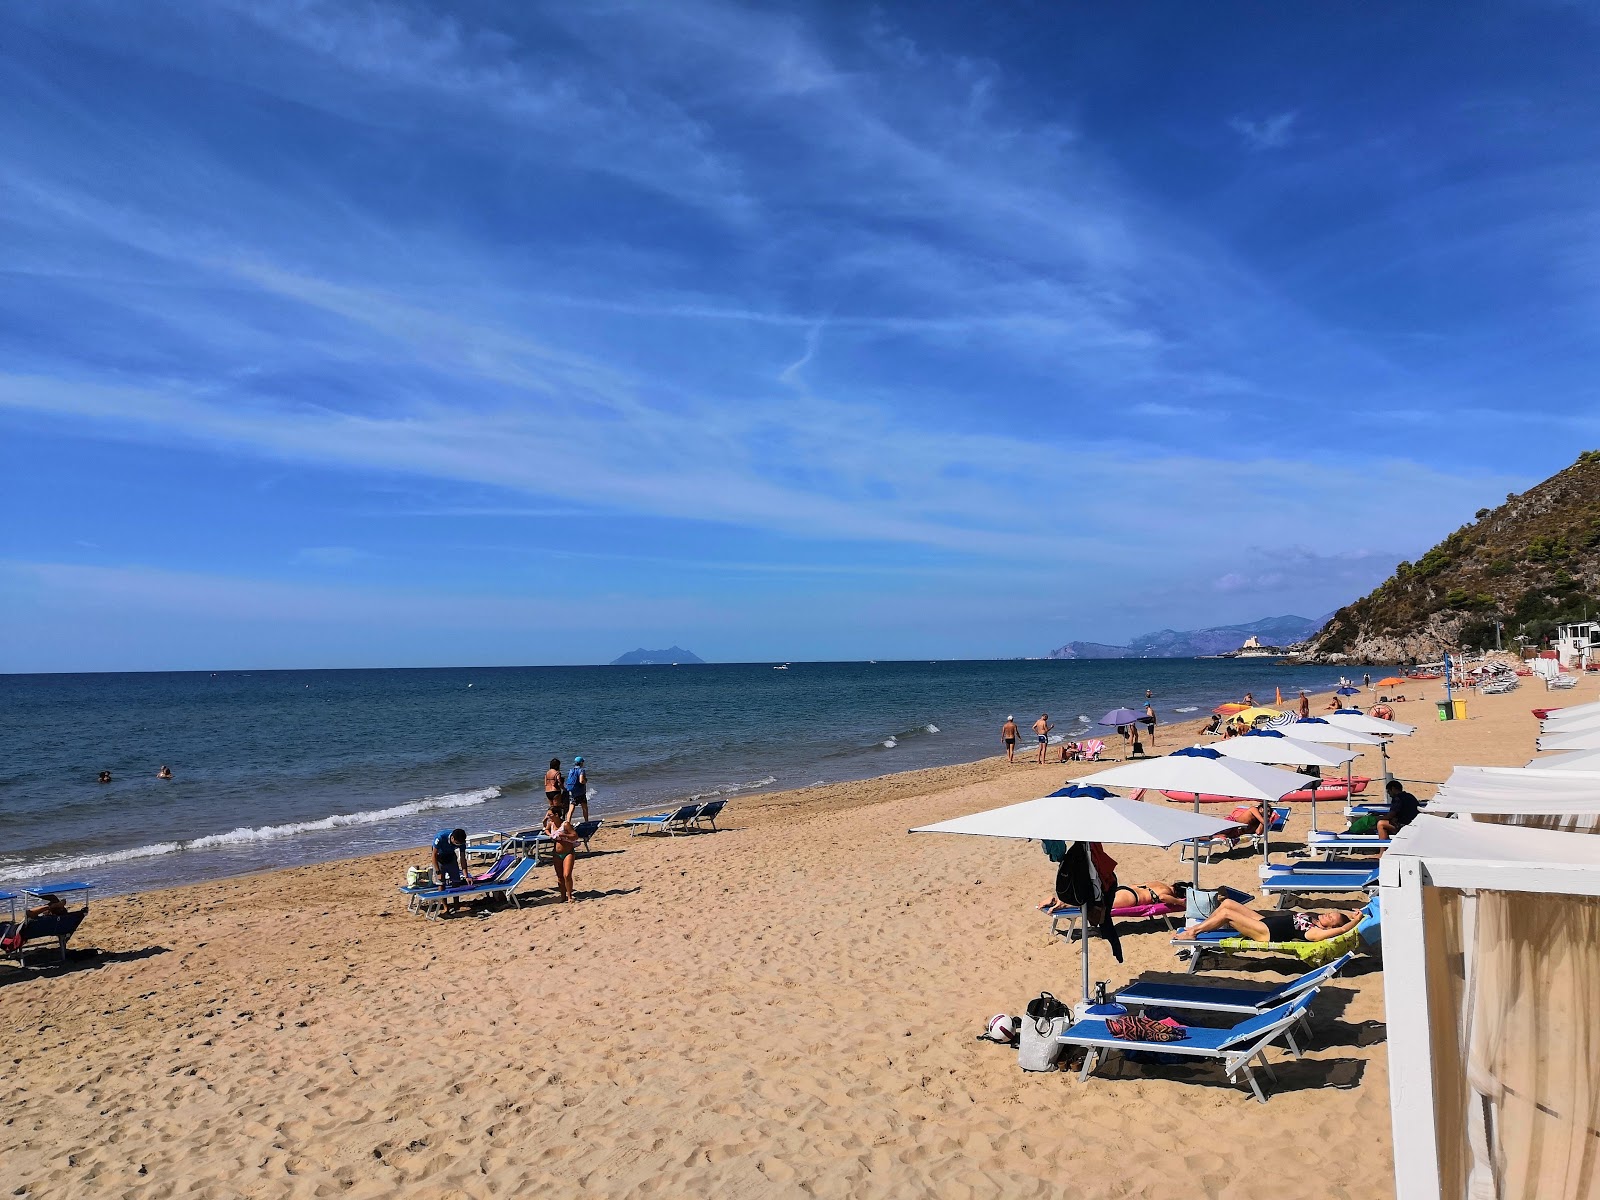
[1528, 565]
[1191, 643]
[657, 658]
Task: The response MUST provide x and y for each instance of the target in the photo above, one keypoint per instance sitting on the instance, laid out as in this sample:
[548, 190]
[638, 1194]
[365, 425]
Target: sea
[279, 768]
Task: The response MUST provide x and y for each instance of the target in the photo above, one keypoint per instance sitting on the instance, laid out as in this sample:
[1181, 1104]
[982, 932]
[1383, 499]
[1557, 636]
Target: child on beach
[558, 825]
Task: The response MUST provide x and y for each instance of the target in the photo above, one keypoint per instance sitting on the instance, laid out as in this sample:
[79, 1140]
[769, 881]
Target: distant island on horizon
[671, 656]
[1197, 643]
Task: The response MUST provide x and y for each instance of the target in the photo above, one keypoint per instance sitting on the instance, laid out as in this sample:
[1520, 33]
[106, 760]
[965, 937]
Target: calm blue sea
[273, 768]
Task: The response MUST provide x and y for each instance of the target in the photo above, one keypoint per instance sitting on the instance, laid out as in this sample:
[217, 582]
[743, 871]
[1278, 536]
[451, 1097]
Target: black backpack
[1078, 884]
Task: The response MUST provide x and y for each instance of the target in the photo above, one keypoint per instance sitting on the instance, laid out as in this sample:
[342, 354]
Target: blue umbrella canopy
[1346, 691]
[1121, 716]
[1083, 791]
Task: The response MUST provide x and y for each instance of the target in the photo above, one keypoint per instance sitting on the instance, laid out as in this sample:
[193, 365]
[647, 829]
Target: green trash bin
[1445, 711]
[1460, 707]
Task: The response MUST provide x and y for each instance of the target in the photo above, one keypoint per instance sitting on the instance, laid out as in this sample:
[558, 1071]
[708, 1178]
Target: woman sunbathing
[1133, 895]
[1276, 926]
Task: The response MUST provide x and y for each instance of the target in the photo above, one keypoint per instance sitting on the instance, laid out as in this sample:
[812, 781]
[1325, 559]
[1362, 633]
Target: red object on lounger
[1328, 789]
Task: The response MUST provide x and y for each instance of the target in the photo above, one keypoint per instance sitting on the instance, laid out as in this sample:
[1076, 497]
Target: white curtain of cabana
[1519, 1100]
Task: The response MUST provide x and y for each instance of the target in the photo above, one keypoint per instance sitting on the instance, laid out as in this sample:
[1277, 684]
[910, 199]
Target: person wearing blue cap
[578, 786]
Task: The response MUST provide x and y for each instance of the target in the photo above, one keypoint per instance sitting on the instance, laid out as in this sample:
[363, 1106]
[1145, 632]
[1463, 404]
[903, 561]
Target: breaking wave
[71, 863]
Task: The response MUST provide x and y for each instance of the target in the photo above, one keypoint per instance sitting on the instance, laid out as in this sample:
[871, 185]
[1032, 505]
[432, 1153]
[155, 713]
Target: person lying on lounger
[1251, 818]
[1133, 895]
[1277, 926]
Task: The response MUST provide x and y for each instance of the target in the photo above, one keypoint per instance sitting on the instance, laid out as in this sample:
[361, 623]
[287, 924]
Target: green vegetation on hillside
[1532, 563]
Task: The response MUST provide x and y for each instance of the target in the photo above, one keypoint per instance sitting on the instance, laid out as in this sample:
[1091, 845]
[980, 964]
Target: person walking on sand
[1150, 718]
[558, 825]
[1305, 704]
[1042, 727]
[1008, 737]
[578, 786]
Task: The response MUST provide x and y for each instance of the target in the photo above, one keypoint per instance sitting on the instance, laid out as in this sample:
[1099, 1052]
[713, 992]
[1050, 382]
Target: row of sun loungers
[685, 819]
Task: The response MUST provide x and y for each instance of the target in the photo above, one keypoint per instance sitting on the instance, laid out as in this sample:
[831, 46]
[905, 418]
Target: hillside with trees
[1532, 564]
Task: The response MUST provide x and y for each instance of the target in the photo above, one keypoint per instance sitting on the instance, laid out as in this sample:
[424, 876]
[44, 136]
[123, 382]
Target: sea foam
[71, 863]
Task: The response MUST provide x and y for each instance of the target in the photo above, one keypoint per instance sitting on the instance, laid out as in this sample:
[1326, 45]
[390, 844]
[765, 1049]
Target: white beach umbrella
[1274, 747]
[1331, 731]
[1572, 760]
[1317, 729]
[1083, 818]
[1577, 724]
[1203, 770]
[1592, 709]
[1361, 722]
[1583, 739]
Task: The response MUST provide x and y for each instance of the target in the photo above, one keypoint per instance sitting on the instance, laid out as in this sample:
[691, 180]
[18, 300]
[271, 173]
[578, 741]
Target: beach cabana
[1491, 957]
[1567, 800]
[1583, 739]
[1569, 760]
[1110, 820]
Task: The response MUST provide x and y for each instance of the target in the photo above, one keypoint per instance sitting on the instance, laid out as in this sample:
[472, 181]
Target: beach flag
[1278, 700]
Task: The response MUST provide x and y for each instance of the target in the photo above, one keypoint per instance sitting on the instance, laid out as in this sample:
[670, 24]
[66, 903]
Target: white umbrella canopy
[1203, 769]
[1577, 724]
[1364, 724]
[1317, 729]
[1084, 818]
[1583, 739]
[1592, 709]
[1572, 760]
[1113, 820]
[1282, 750]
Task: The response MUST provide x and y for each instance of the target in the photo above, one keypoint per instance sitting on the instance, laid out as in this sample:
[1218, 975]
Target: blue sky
[389, 332]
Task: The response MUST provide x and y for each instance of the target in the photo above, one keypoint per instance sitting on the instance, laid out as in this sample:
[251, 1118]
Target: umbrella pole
[1084, 916]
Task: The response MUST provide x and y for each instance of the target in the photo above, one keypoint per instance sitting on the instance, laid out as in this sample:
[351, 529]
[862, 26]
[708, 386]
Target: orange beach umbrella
[1392, 681]
[1228, 710]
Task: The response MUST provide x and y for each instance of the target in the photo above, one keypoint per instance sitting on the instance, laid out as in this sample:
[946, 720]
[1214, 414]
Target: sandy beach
[787, 1007]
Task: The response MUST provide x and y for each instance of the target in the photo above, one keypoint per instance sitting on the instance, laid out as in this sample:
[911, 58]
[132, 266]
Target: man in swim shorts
[1150, 718]
[450, 860]
[578, 786]
[1008, 735]
[1042, 727]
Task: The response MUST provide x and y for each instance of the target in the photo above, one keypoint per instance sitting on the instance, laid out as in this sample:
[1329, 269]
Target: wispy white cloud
[1274, 132]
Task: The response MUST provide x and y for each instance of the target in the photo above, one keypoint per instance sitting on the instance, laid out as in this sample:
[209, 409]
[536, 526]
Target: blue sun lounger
[1235, 1048]
[1286, 883]
[679, 820]
[1222, 998]
[710, 812]
[431, 901]
[15, 935]
[1330, 843]
[586, 830]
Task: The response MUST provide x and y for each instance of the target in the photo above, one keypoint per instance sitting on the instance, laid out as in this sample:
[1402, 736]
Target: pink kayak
[1328, 789]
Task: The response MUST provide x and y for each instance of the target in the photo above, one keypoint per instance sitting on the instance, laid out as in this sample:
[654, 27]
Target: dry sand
[784, 1008]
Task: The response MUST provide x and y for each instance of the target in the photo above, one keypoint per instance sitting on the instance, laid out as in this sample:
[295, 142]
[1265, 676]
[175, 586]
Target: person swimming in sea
[105, 776]
[165, 772]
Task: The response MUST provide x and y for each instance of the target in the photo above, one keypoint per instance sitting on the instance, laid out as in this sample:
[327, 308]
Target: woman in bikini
[1278, 926]
[1134, 895]
[558, 825]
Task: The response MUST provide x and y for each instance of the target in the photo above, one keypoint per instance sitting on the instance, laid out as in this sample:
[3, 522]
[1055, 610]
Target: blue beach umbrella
[1347, 691]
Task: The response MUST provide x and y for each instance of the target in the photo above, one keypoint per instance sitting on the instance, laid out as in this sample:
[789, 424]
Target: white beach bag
[1039, 1050]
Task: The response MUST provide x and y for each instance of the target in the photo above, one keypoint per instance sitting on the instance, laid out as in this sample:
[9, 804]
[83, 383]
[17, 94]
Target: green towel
[1313, 954]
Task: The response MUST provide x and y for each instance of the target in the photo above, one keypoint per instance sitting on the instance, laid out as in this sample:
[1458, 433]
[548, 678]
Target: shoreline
[909, 778]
